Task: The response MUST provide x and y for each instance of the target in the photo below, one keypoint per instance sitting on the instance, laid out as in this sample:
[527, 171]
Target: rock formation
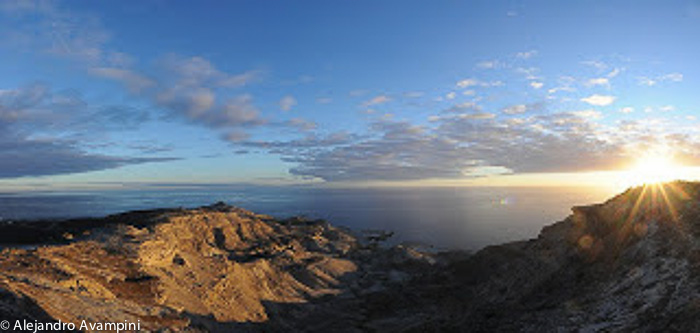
[629, 264]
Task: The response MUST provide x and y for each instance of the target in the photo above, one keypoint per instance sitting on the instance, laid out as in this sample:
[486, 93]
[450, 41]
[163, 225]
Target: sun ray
[637, 204]
[671, 208]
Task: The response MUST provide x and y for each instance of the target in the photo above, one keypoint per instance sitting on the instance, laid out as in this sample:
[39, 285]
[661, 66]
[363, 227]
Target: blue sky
[98, 93]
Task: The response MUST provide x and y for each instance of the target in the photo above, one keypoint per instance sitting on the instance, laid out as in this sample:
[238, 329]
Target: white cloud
[489, 64]
[599, 100]
[522, 108]
[471, 82]
[672, 77]
[536, 84]
[466, 83]
[463, 107]
[667, 108]
[615, 72]
[600, 81]
[599, 65]
[589, 114]
[526, 54]
[652, 81]
[530, 72]
[645, 81]
[376, 100]
[451, 95]
[627, 109]
[562, 88]
[515, 109]
[287, 103]
[479, 115]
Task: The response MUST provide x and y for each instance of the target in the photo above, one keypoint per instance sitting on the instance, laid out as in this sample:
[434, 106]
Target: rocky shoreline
[629, 264]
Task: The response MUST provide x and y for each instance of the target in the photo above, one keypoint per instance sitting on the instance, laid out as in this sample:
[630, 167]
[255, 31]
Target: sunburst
[660, 194]
[654, 168]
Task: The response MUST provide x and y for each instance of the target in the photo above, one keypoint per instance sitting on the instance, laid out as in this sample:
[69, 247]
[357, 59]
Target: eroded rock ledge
[629, 264]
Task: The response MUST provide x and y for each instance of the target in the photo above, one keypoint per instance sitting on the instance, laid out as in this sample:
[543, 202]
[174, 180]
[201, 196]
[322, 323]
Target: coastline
[611, 266]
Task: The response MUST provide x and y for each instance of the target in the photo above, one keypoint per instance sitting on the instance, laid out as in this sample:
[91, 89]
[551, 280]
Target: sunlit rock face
[629, 264]
[182, 269]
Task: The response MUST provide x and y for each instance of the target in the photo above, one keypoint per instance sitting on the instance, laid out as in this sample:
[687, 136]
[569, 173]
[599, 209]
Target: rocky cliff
[629, 264]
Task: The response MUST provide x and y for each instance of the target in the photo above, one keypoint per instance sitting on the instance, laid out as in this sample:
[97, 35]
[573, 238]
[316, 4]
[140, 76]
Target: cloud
[466, 83]
[404, 152]
[672, 77]
[464, 107]
[564, 83]
[187, 87]
[599, 65]
[376, 100]
[589, 114]
[287, 103]
[236, 136]
[667, 108]
[652, 81]
[645, 81]
[536, 84]
[45, 27]
[133, 81]
[599, 100]
[526, 54]
[23, 157]
[614, 73]
[522, 108]
[197, 71]
[530, 73]
[36, 125]
[627, 109]
[302, 124]
[600, 81]
[459, 145]
[515, 109]
[489, 64]
[664, 108]
[471, 82]
[190, 88]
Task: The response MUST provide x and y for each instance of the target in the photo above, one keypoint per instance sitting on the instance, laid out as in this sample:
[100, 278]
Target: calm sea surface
[464, 217]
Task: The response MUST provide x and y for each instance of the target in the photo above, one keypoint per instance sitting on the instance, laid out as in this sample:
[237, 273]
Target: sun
[653, 169]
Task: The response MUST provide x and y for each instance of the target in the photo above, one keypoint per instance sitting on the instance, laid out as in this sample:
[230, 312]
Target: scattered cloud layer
[509, 116]
[36, 130]
[187, 88]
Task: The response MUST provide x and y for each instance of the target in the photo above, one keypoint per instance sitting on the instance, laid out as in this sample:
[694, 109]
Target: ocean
[466, 218]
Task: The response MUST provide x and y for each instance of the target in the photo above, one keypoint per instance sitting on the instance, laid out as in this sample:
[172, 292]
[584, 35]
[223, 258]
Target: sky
[119, 93]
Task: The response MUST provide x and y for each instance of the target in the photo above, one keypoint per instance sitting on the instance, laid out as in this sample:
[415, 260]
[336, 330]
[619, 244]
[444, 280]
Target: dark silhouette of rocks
[629, 264]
